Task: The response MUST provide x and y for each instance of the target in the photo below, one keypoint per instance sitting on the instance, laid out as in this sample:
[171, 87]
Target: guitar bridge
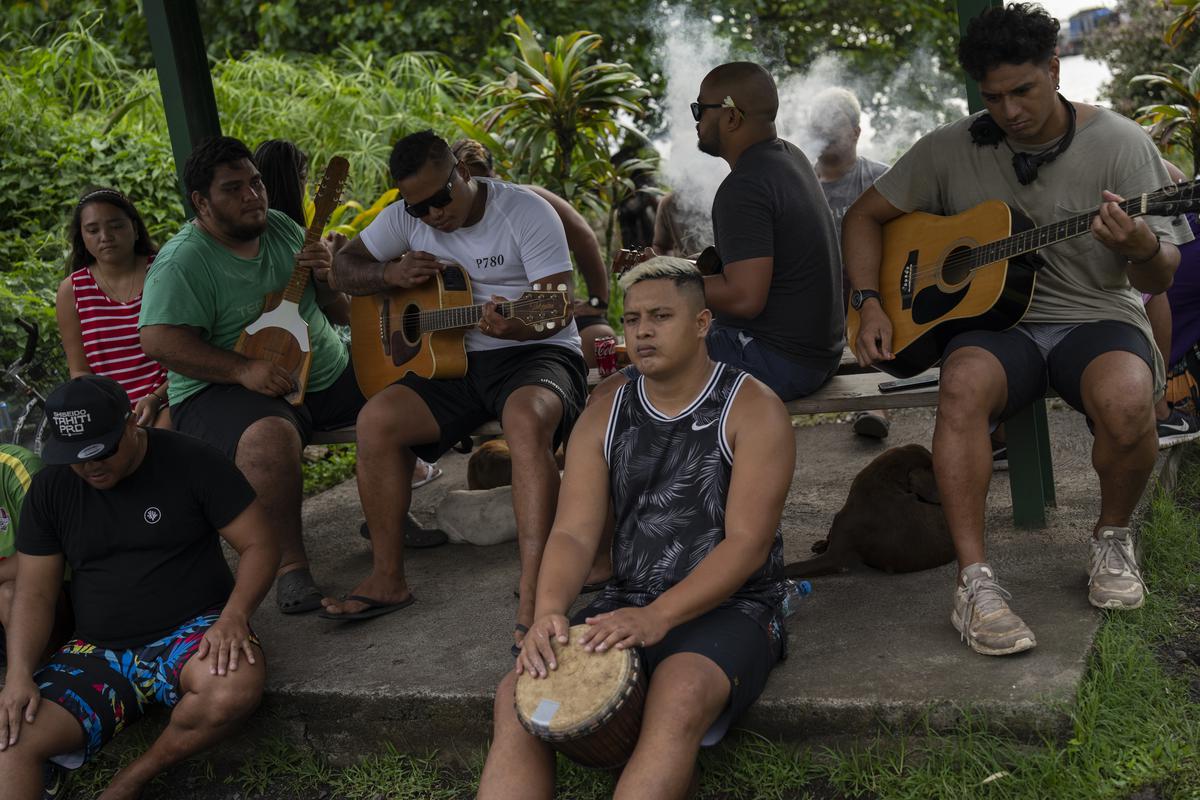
[908, 279]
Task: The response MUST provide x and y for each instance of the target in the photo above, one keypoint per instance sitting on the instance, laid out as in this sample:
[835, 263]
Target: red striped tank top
[110, 337]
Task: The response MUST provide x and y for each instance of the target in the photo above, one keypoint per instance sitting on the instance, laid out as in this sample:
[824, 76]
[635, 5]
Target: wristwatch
[860, 296]
[596, 302]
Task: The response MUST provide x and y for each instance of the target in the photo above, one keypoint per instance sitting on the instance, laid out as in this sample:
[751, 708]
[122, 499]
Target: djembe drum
[590, 708]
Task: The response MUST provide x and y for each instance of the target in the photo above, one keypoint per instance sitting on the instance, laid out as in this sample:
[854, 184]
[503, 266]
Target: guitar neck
[1036, 238]
[445, 319]
[299, 280]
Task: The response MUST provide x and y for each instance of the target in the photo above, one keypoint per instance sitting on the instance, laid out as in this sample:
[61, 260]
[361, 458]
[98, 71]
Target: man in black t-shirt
[138, 516]
[777, 300]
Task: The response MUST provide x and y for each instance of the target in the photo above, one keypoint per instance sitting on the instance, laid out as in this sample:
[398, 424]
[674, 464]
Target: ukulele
[940, 276]
[280, 334]
[422, 330]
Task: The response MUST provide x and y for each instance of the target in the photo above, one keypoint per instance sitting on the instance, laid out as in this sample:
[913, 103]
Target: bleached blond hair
[679, 270]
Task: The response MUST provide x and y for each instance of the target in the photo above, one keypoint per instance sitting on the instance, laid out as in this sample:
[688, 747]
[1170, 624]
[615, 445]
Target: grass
[1136, 726]
[336, 466]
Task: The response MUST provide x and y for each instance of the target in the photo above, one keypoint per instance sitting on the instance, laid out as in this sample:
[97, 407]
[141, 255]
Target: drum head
[583, 691]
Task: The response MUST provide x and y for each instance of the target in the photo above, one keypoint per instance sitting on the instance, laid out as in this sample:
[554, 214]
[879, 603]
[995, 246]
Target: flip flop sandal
[296, 592]
[374, 608]
[516, 648]
[415, 536]
[432, 473]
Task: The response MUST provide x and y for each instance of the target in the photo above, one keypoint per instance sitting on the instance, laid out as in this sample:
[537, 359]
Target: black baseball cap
[86, 420]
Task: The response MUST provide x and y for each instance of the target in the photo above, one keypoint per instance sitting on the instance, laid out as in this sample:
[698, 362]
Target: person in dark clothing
[159, 617]
[777, 300]
[694, 458]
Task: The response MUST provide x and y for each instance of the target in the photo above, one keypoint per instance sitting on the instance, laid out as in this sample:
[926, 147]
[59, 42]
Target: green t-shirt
[1083, 281]
[196, 281]
[17, 468]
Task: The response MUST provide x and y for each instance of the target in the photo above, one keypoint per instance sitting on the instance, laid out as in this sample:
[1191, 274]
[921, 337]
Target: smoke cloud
[691, 49]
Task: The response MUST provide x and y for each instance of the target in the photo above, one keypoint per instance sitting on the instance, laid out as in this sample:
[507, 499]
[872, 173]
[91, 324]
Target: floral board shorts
[108, 689]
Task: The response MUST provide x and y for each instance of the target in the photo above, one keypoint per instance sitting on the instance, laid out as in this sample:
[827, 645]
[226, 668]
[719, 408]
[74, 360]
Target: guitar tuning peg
[562, 287]
[539, 327]
[537, 287]
[549, 326]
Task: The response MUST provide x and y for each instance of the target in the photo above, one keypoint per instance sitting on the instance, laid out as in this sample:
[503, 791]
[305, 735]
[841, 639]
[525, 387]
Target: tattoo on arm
[358, 276]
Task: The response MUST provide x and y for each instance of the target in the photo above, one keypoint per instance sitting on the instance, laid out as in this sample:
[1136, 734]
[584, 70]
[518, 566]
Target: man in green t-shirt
[207, 284]
[17, 468]
[1085, 333]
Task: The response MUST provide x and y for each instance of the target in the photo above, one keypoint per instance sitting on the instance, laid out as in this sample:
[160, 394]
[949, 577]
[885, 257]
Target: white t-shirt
[519, 241]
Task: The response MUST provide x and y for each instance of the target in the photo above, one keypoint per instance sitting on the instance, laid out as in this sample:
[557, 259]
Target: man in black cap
[160, 619]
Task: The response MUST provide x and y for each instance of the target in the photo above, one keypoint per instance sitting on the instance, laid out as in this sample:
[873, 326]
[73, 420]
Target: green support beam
[183, 77]
[966, 10]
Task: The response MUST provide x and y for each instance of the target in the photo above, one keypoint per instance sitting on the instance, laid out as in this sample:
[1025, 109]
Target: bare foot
[381, 589]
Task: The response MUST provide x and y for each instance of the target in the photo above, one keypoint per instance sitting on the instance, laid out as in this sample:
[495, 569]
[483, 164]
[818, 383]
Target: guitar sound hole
[411, 323]
[957, 266]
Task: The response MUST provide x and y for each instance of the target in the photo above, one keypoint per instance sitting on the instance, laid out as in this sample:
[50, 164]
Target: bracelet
[1157, 249]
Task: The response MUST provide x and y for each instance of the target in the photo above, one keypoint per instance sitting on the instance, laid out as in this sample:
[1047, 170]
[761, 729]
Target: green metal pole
[966, 10]
[183, 77]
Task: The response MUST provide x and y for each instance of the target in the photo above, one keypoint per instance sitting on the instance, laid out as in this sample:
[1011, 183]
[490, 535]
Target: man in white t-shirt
[505, 238]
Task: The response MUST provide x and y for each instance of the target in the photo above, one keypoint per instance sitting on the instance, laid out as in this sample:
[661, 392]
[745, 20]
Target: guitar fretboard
[446, 319]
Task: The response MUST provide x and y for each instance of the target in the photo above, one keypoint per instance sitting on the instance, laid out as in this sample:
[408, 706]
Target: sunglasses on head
[440, 199]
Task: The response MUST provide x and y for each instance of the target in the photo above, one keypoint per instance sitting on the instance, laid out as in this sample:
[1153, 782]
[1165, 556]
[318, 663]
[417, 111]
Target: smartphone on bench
[917, 382]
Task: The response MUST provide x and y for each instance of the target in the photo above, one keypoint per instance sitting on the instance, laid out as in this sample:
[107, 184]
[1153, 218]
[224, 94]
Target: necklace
[132, 287]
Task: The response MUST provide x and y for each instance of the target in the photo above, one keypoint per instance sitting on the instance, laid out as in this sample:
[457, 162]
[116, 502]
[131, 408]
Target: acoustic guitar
[941, 276]
[422, 330]
[280, 334]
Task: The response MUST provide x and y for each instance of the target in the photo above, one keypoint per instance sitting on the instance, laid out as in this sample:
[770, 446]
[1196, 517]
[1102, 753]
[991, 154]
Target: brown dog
[892, 520]
[490, 466]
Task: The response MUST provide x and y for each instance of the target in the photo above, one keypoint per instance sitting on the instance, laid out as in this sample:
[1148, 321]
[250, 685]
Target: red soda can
[605, 348]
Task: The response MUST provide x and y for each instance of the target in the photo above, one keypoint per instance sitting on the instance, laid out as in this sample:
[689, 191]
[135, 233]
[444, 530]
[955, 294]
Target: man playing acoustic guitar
[207, 285]
[505, 238]
[1085, 333]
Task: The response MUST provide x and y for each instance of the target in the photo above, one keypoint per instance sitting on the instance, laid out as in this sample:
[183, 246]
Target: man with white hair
[836, 118]
[695, 457]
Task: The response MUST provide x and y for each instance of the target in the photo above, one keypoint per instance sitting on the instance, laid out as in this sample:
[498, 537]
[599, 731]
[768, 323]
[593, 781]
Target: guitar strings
[1170, 195]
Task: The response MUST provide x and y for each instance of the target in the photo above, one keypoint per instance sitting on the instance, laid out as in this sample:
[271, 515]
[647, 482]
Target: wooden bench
[1031, 475]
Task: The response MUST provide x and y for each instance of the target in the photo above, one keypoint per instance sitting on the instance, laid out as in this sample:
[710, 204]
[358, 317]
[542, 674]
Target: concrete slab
[867, 649]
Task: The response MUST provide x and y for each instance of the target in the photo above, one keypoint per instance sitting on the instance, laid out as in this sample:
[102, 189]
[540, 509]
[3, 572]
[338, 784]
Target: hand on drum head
[623, 629]
[537, 651]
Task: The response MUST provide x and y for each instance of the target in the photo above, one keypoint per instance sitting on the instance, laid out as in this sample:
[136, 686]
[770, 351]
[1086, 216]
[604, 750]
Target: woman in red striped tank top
[99, 301]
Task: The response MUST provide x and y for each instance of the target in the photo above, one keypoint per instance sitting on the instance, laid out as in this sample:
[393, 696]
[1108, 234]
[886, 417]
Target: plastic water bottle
[796, 591]
[5, 422]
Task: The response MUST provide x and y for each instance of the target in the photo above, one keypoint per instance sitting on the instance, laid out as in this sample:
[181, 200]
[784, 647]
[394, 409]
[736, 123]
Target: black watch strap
[860, 296]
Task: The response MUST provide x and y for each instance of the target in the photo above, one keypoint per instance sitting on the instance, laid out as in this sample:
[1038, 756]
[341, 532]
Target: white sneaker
[1116, 578]
[984, 619]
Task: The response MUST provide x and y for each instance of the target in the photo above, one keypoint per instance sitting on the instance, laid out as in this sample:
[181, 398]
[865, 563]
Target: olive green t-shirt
[196, 281]
[17, 468]
[1083, 281]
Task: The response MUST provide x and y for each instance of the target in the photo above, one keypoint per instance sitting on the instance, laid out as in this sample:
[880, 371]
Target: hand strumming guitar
[265, 377]
[412, 269]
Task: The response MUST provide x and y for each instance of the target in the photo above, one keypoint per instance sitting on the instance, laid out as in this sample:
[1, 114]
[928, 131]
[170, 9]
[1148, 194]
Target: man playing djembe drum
[696, 458]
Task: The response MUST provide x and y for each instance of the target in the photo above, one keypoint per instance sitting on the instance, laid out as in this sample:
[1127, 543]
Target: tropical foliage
[1176, 121]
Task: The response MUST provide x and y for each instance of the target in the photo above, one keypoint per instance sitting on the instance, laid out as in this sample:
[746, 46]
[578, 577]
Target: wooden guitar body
[280, 335]
[932, 292]
[386, 343]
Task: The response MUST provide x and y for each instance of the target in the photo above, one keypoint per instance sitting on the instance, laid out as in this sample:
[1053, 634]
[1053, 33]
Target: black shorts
[220, 413]
[1029, 373]
[583, 323]
[463, 404]
[728, 638]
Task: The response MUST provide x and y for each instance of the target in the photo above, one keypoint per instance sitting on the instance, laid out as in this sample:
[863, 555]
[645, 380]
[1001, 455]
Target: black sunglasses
[698, 109]
[441, 199]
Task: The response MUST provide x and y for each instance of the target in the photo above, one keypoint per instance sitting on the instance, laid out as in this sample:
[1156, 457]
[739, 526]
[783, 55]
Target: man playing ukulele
[208, 283]
[505, 238]
[1085, 333]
